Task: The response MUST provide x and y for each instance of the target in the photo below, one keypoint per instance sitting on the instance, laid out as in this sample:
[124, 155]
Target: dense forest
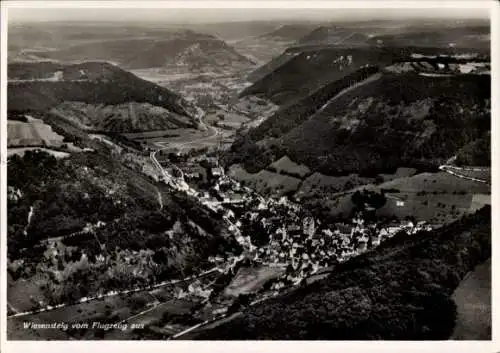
[291, 116]
[397, 120]
[476, 153]
[400, 291]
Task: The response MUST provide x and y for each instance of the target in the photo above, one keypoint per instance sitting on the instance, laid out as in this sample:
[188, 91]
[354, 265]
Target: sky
[173, 15]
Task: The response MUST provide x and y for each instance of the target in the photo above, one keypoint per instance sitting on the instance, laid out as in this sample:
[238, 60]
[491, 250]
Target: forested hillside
[400, 291]
[39, 87]
[80, 218]
[395, 120]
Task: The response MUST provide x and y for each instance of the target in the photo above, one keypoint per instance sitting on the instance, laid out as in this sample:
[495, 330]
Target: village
[284, 244]
[278, 232]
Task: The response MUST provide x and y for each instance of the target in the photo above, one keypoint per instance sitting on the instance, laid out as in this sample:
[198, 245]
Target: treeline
[400, 291]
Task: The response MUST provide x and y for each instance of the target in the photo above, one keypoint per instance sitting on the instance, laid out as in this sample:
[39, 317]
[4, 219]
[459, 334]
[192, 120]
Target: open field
[286, 166]
[161, 75]
[437, 209]
[152, 134]
[473, 300]
[21, 291]
[35, 133]
[250, 279]
[478, 201]
[439, 182]
[434, 197]
[318, 183]
[265, 181]
[173, 306]
[154, 318]
[231, 119]
[437, 197]
[178, 138]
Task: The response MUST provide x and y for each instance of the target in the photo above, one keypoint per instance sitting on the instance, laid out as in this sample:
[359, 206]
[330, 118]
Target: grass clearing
[228, 118]
[265, 181]
[250, 279]
[22, 293]
[154, 318]
[286, 166]
[478, 201]
[34, 133]
[173, 307]
[176, 138]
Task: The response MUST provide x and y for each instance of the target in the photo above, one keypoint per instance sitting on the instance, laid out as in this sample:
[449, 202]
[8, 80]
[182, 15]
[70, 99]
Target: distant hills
[96, 95]
[333, 35]
[410, 35]
[477, 37]
[302, 69]
[185, 49]
[269, 45]
[289, 31]
[298, 73]
[370, 35]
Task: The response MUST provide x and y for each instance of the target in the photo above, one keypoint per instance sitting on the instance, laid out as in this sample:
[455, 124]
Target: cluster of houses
[296, 240]
[308, 249]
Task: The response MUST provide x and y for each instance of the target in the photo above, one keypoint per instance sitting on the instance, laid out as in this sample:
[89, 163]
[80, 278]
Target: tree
[379, 179]
[358, 199]
[378, 200]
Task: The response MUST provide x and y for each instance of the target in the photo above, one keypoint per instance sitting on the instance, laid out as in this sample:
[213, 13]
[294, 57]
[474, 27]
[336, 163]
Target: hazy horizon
[225, 15]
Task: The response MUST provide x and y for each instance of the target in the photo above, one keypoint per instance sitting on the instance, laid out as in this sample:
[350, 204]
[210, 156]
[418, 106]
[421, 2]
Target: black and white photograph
[222, 174]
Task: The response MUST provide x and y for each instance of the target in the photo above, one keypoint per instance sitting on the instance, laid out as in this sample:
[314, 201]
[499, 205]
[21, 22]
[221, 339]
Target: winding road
[454, 170]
